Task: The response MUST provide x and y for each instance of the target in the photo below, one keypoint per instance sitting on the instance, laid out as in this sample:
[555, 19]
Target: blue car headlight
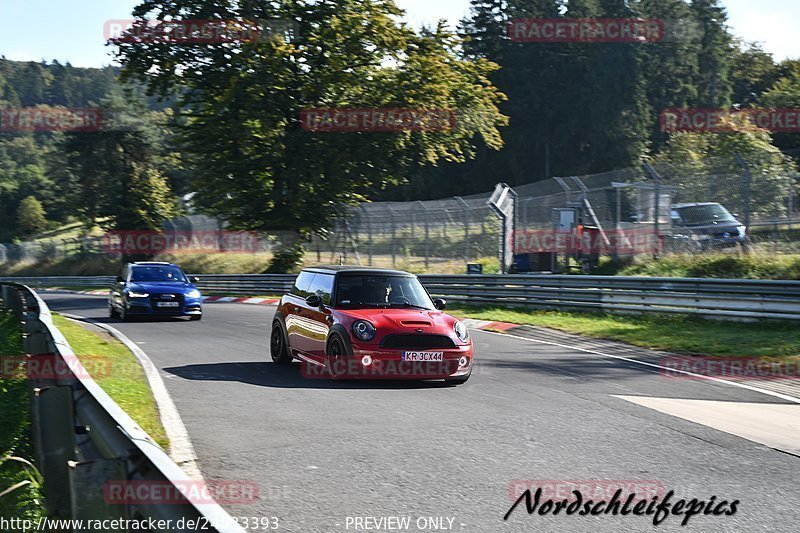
[194, 293]
[134, 294]
[363, 330]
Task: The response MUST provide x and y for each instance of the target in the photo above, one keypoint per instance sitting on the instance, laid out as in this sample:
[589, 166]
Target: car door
[318, 318]
[294, 309]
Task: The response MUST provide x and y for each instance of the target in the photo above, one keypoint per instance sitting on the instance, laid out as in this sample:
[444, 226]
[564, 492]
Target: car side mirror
[440, 304]
[314, 301]
[194, 279]
[119, 279]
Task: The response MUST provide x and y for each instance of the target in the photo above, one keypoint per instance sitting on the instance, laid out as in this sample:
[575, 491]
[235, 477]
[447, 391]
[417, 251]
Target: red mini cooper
[355, 322]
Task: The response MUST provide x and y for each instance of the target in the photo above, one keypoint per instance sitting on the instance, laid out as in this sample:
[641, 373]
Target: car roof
[698, 204]
[152, 263]
[335, 269]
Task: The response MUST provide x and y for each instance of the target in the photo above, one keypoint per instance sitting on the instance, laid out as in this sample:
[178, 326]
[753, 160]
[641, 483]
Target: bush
[786, 267]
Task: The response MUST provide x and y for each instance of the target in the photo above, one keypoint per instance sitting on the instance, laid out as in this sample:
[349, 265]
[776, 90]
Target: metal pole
[369, 234]
[747, 181]
[465, 213]
[657, 225]
[394, 244]
[427, 236]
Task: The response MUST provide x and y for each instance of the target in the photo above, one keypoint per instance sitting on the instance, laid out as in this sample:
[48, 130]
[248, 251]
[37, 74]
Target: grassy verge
[753, 266]
[16, 452]
[677, 334]
[124, 381]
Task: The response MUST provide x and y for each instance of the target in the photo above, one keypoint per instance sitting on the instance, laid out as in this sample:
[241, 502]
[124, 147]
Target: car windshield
[378, 290]
[703, 215]
[158, 274]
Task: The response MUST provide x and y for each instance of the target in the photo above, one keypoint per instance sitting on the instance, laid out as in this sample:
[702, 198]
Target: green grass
[753, 266]
[16, 451]
[125, 381]
[71, 266]
[676, 334]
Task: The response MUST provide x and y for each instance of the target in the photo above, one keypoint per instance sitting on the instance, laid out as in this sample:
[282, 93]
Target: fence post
[747, 183]
[369, 233]
[465, 213]
[657, 225]
[394, 247]
[427, 235]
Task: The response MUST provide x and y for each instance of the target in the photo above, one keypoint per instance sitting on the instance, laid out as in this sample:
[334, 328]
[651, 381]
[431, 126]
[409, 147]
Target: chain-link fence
[746, 202]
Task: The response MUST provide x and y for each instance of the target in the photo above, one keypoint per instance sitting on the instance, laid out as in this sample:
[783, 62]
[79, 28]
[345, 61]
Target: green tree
[714, 57]
[31, 217]
[704, 167]
[785, 94]
[255, 165]
[753, 71]
[115, 172]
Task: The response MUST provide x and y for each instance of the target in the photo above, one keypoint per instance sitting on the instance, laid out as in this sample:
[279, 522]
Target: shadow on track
[268, 374]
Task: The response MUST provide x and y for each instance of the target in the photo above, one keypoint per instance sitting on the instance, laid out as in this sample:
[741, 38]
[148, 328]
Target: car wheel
[112, 311]
[459, 380]
[195, 318]
[277, 345]
[337, 358]
[123, 314]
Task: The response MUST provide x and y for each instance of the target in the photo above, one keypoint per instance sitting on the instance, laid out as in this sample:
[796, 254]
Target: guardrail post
[12, 300]
[54, 428]
[87, 485]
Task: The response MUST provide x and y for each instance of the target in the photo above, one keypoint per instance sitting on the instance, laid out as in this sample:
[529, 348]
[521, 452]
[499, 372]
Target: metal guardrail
[83, 439]
[711, 298]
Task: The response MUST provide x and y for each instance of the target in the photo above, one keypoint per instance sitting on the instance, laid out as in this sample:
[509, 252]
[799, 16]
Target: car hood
[161, 287]
[729, 227]
[400, 319]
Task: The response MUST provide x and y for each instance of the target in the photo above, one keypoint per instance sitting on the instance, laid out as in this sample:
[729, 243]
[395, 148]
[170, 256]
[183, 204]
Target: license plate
[423, 356]
[168, 304]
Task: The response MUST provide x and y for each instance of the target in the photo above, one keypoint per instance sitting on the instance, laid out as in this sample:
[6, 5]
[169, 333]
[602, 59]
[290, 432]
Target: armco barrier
[83, 439]
[712, 298]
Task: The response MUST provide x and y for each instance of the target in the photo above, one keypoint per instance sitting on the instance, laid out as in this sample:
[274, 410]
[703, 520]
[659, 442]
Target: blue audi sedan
[154, 289]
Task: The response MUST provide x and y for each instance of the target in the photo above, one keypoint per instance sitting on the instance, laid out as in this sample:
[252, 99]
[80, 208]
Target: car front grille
[172, 297]
[417, 342]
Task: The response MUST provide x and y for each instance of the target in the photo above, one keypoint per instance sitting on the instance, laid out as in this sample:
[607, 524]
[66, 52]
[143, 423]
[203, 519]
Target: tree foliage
[242, 103]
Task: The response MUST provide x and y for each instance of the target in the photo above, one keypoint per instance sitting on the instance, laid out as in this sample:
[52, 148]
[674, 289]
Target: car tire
[195, 318]
[459, 380]
[278, 347]
[112, 311]
[123, 314]
[337, 355]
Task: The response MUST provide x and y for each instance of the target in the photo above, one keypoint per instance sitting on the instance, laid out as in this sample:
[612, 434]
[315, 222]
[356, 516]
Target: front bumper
[148, 307]
[377, 363]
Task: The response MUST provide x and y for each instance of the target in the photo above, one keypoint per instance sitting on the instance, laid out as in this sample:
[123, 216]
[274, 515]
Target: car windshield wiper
[409, 304]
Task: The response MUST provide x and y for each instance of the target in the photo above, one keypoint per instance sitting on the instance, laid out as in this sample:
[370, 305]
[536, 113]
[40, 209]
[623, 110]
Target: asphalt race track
[323, 451]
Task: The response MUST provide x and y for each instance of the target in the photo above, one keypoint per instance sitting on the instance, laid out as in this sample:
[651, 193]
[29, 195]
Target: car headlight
[363, 330]
[134, 294]
[194, 293]
[742, 231]
[461, 331]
